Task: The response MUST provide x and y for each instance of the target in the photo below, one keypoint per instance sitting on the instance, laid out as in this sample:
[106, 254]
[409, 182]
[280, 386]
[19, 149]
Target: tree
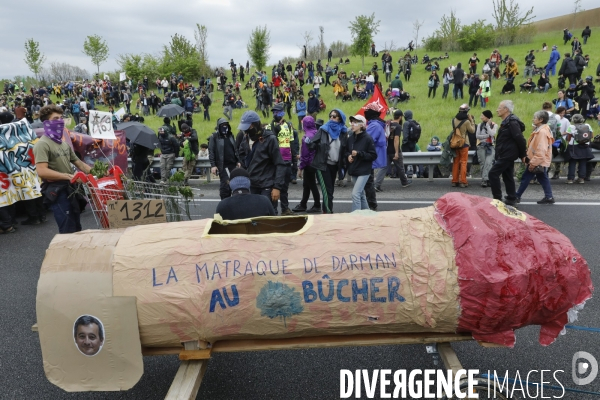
[321, 48]
[416, 28]
[362, 30]
[449, 30]
[576, 9]
[478, 35]
[509, 20]
[307, 36]
[201, 35]
[33, 56]
[97, 49]
[180, 55]
[258, 47]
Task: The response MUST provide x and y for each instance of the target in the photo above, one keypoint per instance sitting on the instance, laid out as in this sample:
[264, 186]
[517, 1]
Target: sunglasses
[333, 116]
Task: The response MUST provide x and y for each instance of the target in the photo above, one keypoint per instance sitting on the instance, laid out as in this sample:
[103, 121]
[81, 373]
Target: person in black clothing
[169, 148]
[510, 145]
[263, 159]
[394, 150]
[312, 106]
[473, 60]
[242, 204]
[568, 69]
[586, 33]
[206, 102]
[459, 77]
[223, 155]
[139, 159]
[580, 63]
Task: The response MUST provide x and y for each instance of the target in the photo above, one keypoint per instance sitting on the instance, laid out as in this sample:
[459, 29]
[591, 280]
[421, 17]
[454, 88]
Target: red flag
[376, 102]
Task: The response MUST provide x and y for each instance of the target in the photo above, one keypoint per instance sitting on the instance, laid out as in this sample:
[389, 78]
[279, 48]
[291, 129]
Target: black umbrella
[170, 110]
[139, 134]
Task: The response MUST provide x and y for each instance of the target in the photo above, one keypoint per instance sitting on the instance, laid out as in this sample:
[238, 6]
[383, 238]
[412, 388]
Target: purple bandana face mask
[54, 129]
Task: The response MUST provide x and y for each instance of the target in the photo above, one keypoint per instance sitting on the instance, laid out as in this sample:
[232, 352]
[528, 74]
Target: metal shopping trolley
[181, 202]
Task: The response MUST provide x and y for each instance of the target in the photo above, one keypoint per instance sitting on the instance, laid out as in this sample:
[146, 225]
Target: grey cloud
[144, 27]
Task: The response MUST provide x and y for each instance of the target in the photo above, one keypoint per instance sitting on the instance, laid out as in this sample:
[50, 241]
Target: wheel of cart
[99, 191]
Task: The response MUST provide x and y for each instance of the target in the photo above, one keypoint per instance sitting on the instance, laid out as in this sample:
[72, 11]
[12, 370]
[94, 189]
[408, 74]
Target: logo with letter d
[580, 368]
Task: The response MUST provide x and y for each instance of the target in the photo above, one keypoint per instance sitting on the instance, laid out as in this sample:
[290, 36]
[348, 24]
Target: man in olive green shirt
[53, 159]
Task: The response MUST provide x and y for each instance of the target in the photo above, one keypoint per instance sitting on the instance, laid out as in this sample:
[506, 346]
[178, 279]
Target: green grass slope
[434, 114]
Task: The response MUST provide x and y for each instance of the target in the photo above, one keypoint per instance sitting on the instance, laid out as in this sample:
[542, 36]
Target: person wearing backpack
[579, 63]
[578, 153]
[486, 136]
[411, 133]
[462, 125]
[566, 36]
[510, 145]
[76, 110]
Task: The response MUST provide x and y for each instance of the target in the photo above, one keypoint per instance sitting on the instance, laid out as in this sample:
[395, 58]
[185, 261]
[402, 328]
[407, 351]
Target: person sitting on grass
[528, 86]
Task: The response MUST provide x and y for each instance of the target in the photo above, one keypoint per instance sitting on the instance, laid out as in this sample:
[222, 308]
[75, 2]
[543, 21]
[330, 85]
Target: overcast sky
[129, 26]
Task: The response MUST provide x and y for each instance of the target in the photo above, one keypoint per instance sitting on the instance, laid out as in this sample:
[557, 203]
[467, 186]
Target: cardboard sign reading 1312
[124, 213]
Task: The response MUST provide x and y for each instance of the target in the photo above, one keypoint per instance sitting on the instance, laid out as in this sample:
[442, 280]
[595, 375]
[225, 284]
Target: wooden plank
[380, 339]
[336, 341]
[34, 327]
[449, 357]
[187, 355]
[187, 380]
[189, 376]
[490, 345]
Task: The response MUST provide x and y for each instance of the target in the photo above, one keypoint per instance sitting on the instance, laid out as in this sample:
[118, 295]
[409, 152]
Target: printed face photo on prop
[88, 332]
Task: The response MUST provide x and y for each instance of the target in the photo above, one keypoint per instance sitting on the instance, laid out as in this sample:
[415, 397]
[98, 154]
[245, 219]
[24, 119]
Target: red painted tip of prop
[513, 269]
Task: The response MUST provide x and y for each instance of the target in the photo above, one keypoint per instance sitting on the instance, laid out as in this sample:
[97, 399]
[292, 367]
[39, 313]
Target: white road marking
[427, 202]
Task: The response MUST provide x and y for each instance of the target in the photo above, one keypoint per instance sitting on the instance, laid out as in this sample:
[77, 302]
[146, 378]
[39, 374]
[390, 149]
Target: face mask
[54, 129]
[253, 134]
[278, 116]
[223, 129]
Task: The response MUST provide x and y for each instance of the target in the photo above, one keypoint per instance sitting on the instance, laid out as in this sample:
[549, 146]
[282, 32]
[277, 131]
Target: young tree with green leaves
[201, 36]
[362, 30]
[509, 20]
[258, 47]
[181, 55]
[96, 48]
[33, 56]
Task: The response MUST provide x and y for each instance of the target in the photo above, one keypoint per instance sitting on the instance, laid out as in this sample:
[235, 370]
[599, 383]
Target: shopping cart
[181, 202]
[99, 191]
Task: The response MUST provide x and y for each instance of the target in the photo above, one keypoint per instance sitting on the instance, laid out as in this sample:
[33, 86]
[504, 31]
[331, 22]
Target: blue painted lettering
[154, 278]
[171, 275]
[366, 259]
[374, 290]
[330, 291]
[236, 267]
[264, 267]
[392, 260]
[340, 296]
[200, 269]
[309, 294]
[249, 268]
[364, 290]
[215, 272]
[284, 266]
[216, 298]
[393, 287]
[236, 297]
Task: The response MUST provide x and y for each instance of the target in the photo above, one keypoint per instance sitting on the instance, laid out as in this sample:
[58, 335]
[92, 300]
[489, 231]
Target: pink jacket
[539, 146]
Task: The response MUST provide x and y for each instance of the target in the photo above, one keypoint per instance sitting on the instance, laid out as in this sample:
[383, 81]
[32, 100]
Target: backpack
[75, 108]
[414, 131]
[581, 61]
[570, 35]
[554, 125]
[431, 83]
[457, 140]
[582, 134]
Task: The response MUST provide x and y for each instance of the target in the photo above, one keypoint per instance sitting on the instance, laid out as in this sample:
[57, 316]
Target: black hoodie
[510, 142]
[264, 163]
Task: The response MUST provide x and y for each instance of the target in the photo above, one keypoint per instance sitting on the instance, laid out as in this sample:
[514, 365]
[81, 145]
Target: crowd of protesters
[367, 150]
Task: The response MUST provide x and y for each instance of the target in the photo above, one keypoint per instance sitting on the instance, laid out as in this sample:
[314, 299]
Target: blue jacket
[376, 129]
[554, 57]
[301, 108]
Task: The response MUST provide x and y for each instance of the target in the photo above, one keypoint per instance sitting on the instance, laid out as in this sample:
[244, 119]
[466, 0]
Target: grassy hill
[434, 114]
[585, 18]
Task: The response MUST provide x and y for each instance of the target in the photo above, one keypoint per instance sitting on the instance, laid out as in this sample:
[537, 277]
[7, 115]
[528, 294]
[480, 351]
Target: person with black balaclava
[242, 204]
[169, 149]
[263, 159]
[288, 149]
[223, 155]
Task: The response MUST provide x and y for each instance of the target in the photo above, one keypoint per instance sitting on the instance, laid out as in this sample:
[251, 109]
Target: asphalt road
[303, 374]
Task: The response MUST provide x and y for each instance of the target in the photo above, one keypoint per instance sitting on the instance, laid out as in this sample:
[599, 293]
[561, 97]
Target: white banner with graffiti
[18, 177]
[101, 125]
